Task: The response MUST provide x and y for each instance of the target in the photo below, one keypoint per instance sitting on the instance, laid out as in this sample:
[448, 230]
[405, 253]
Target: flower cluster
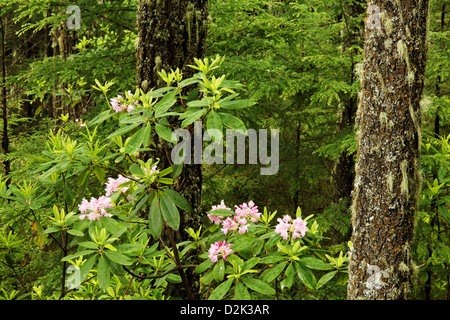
[113, 185]
[238, 222]
[248, 211]
[217, 219]
[234, 224]
[119, 106]
[95, 208]
[219, 248]
[295, 227]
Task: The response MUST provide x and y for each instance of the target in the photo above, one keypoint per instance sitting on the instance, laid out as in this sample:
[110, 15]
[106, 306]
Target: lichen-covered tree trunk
[170, 35]
[389, 123]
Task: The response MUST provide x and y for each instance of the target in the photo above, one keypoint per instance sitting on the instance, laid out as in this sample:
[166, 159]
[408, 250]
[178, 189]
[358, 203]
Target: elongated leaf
[221, 290]
[325, 278]
[219, 270]
[178, 200]
[258, 285]
[113, 226]
[123, 130]
[192, 116]
[101, 117]
[289, 280]
[213, 121]
[135, 141]
[87, 267]
[221, 212]
[237, 104]
[232, 122]
[169, 211]
[118, 257]
[204, 265]
[305, 275]
[164, 132]
[274, 272]
[77, 255]
[155, 221]
[315, 263]
[103, 273]
[165, 103]
[241, 292]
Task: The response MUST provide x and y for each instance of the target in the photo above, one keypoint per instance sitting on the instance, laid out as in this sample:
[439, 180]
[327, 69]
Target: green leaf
[135, 141]
[103, 273]
[204, 266]
[101, 117]
[242, 244]
[325, 278]
[88, 244]
[232, 122]
[213, 122]
[237, 104]
[199, 103]
[113, 226]
[178, 200]
[118, 257]
[87, 266]
[258, 286]
[221, 212]
[190, 117]
[305, 275]
[165, 103]
[164, 133]
[169, 211]
[99, 173]
[77, 255]
[155, 218]
[274, 272]
[122, 130]
[241, 292]
[82, 177]
[219, 270]
[76, 233]
[316, 264]
[289, 280]
[221, 290]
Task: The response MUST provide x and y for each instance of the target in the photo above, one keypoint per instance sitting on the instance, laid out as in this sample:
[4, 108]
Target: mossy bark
[170, 35]
[389, 124]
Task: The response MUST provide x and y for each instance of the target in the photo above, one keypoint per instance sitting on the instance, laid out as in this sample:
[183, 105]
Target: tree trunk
[389, 121]
[5, 137]
[170, 35]
[344, 171]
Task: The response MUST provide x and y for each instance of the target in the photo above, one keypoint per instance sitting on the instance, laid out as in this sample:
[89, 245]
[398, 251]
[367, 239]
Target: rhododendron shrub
[114, 214]
[251, 255]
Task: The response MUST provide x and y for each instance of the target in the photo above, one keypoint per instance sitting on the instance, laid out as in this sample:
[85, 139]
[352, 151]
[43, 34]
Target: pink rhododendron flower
[286, 226]
[119, 106]
[219, 248]
[113, 185]
[95, 208]
[217, 219]
[248, 211]
[234, 224]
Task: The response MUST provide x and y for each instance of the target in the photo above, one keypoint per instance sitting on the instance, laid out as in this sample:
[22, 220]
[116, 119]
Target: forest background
[300, 61]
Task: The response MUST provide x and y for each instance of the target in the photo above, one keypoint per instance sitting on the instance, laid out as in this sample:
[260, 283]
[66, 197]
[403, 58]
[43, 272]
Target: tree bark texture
[170, 35]
[389, 125]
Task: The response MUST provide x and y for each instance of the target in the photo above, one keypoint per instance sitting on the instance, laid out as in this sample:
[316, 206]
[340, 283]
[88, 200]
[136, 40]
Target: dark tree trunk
[170, 35]
[5, 136]
[389, 120]
[344, 171]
